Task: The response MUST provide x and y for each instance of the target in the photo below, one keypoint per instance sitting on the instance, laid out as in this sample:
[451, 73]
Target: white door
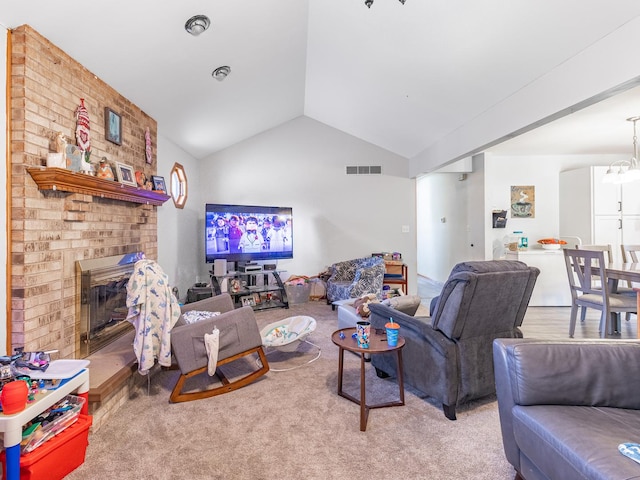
[631, 199]
[631, 229]
[608, 230]
[606, 196]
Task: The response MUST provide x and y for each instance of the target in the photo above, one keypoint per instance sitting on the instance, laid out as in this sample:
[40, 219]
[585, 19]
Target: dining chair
[628, 290]
[630, 253]
[586, 271]
[599, 248]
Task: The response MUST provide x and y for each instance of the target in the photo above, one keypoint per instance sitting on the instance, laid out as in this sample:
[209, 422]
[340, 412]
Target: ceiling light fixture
[627, 170]
[368, 3]
[197, 24]
[221, 73]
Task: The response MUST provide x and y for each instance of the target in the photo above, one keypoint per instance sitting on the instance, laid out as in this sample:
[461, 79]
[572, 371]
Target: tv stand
[253, 288]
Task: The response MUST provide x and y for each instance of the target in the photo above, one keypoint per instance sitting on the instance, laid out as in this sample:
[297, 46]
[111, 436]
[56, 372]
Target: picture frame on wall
[523, 201]
[125, 174]
[158, 183]
[112, 126]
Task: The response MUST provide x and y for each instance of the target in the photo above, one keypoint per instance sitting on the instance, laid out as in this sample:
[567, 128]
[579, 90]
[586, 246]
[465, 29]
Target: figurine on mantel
[104, 170]
[61, 143]
[57, 159]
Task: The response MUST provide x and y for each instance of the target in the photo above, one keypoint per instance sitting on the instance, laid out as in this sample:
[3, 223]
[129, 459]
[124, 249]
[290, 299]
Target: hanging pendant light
[633, 172]
[625, 171]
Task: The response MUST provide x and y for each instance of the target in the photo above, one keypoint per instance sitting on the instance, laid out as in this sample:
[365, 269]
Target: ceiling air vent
[364, 170]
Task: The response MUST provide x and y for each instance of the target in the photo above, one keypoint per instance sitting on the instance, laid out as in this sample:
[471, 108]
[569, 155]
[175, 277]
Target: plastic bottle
[522, 239]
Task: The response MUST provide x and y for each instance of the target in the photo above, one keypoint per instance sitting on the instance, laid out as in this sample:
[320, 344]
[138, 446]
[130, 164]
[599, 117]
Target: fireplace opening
[103, 296]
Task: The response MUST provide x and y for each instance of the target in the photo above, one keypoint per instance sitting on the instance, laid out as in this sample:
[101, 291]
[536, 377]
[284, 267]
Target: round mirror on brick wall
[178, 179]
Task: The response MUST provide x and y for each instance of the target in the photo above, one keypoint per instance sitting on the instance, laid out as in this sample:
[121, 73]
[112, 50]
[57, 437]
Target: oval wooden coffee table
[377, 344]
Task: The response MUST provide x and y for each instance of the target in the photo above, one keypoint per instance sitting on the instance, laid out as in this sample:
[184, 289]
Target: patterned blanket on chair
[153, 311]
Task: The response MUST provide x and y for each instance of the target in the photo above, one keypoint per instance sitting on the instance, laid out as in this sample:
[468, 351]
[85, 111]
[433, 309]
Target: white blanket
[153, 311]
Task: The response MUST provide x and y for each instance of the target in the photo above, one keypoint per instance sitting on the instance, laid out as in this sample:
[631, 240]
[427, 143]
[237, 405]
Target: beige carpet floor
[293, 425]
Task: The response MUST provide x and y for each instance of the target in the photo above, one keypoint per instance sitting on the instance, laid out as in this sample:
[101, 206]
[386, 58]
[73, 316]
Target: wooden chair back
[599, 248]
[586, 272]
[630, 253]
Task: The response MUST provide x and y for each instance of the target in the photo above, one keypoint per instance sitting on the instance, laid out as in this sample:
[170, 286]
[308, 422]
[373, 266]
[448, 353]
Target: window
[178, 185]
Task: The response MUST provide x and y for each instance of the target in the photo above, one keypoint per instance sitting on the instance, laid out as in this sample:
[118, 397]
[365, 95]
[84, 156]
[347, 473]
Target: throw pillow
[193, 316]
[406, 304]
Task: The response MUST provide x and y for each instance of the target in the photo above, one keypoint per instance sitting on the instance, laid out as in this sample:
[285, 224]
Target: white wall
[448, 227]
[180, 231]
[301, 164]
[542, 172]
[470, 203]
[3, 193]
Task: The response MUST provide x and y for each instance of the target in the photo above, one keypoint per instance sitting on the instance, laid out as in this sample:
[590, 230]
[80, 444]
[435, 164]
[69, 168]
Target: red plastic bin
[58, 456]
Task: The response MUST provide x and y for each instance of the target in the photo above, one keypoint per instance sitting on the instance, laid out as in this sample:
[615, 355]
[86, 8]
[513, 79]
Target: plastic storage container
[298, 293]
[53, 428]
[58, 457]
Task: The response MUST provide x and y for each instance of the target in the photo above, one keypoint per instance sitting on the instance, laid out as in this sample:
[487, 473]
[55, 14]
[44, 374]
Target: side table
[377, 344]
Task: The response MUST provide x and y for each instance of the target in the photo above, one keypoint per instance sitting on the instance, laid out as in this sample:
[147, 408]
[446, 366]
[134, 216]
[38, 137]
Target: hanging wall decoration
[499, 218]
[147, 146]
[523, 201]
[83, 131]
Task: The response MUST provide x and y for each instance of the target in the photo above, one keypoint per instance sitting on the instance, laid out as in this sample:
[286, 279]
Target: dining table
[629, 272]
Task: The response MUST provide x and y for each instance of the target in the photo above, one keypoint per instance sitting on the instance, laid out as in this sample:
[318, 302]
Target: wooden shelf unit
[62, 180]
[396, 274]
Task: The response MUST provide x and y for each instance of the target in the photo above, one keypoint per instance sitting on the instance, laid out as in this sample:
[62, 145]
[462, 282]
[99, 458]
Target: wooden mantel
[62, 180]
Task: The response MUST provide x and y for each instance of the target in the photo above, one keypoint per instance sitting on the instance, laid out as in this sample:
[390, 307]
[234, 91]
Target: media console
[253, 288]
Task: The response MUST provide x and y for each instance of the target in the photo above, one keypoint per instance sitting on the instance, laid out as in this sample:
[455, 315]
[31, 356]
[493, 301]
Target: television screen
[246, 233]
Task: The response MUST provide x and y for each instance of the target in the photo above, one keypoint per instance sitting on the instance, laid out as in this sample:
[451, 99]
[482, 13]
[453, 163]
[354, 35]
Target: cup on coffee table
[363, 332]
[393, 329]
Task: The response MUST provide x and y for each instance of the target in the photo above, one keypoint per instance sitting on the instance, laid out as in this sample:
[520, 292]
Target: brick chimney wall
[51, 230]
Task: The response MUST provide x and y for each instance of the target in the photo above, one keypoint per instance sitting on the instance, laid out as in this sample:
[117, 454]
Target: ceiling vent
[364, 170]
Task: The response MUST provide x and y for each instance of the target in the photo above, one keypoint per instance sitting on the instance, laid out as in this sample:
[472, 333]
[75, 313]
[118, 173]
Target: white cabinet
[599, 213]
[552, 285]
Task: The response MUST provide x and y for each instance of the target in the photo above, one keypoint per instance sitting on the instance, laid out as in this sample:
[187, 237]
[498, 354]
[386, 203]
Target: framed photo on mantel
[125, 174]
[158, 183]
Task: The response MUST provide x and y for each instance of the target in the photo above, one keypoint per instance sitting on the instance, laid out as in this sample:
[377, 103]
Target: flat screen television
[244, 233]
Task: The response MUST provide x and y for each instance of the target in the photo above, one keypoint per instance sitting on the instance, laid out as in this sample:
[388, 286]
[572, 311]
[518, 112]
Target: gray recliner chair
[449, 356]
[239, 337]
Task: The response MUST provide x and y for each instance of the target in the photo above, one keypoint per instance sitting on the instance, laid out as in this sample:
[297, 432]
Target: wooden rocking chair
[239, 337]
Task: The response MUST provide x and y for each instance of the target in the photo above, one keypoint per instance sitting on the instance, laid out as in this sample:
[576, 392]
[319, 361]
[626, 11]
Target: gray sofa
[449, 356]
[565, 406]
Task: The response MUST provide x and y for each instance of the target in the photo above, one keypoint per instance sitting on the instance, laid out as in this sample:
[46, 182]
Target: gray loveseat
[565, 406]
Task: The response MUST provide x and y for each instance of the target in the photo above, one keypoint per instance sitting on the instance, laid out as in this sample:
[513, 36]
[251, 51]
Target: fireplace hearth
[103, 295]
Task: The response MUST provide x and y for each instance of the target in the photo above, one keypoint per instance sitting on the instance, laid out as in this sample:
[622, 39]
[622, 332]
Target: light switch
[405, 228]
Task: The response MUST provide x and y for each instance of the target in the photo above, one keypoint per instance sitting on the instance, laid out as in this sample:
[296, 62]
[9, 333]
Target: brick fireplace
[52, 230]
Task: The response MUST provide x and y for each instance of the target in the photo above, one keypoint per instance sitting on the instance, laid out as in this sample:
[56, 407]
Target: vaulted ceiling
[398, 76]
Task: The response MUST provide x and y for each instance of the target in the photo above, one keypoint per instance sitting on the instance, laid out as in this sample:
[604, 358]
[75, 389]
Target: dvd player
[249, 268]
